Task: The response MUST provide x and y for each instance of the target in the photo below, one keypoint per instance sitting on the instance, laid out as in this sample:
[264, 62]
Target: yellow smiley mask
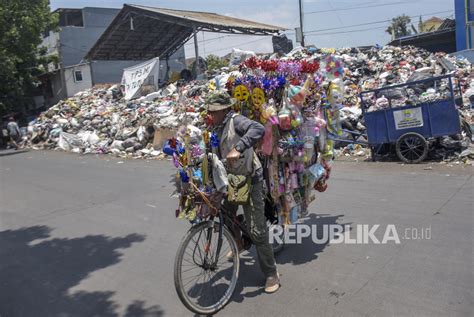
[241, 93]
[258, 97]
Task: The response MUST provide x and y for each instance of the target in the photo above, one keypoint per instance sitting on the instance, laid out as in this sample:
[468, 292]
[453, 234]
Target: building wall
[98, 17]
[76, 41]
[429, 26]
[471, 21]
[111, 71]
[73, 86]
[58, 90]
[51, 43]
[464, 17]
[72, 43]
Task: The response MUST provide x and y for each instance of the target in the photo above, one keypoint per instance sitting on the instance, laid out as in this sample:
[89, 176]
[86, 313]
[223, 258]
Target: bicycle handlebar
[224, 160]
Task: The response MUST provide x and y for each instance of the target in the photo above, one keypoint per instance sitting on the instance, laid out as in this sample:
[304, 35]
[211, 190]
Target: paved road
[95, 236]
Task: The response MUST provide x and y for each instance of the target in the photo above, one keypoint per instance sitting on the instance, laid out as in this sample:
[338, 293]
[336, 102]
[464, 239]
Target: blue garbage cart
[411, 124]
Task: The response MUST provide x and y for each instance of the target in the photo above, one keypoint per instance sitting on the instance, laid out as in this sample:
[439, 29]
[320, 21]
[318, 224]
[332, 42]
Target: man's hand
[233, 156]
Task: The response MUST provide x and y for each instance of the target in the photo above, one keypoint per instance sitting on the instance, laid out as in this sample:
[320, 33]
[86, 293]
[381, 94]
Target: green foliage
[216, 62]
[400, 26]
[21, 26]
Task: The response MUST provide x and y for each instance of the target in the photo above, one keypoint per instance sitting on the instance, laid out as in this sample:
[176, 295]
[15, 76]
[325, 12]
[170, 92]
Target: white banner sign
[134, 77]
[408, 118]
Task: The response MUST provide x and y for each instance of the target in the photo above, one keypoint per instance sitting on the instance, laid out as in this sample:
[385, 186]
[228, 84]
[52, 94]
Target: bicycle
[215, 255]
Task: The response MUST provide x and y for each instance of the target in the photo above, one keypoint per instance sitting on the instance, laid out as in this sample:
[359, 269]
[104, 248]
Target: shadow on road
[35, 275]
[307, 250]
[296, 254]
[12, 152]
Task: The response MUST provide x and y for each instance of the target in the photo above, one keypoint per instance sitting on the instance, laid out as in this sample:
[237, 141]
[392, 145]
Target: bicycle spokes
[206, 273]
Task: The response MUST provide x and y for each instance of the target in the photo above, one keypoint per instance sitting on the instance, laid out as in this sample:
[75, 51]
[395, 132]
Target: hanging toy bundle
[298, 102]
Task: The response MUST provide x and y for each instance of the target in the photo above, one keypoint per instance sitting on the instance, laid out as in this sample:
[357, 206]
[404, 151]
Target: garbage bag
[142, 134]
[117, 145]
[130, 142]
[68, 141]
[238, 56]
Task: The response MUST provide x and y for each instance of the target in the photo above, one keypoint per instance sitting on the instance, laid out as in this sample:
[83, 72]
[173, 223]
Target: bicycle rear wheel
[205, 280]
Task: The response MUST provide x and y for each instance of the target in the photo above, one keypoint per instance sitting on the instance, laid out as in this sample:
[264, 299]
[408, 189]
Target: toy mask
[241, 93]
[258, 97]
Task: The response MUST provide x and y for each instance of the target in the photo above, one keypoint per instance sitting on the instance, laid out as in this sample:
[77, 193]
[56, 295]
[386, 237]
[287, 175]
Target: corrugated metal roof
[140, 32]
[210, 18]
[447, 23]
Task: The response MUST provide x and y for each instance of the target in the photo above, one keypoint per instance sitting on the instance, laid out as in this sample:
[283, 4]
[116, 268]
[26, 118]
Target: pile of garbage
[99, 120]
[378, 67]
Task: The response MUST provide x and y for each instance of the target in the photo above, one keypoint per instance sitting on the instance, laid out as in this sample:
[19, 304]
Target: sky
[327, 23]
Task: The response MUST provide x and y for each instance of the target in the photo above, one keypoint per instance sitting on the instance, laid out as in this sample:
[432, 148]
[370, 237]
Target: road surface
[97, 236]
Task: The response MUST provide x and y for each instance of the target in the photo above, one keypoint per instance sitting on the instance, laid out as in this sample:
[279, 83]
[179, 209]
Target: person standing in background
[14, 132]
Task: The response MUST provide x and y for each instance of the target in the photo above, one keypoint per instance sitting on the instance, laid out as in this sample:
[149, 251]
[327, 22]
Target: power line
[358, 7]
[209, 40]
[371, 23]
[337, 15]
[235, 45]
[351, 31]
[368, 23]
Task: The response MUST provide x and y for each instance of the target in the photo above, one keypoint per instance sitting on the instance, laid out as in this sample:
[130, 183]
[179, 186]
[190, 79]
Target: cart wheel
[412, 148]
[466, 131]
[373, 153]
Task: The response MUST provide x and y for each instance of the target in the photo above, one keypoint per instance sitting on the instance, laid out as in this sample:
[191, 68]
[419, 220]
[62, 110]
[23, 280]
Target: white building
[79, 31]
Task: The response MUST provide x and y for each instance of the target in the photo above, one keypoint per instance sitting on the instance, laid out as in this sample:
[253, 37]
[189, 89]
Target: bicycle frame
[224, 220]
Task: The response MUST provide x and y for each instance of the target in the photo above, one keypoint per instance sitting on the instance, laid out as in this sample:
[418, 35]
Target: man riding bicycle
[237, 135]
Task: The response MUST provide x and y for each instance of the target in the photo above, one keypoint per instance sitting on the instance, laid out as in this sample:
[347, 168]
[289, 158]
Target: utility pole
[301, 22]
[196, 53]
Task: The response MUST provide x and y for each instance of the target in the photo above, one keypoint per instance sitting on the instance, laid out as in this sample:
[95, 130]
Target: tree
[400, 26]
[216, 62]
[22, 24]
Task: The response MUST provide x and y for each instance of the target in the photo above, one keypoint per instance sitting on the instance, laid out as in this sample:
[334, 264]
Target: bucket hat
[218, 101]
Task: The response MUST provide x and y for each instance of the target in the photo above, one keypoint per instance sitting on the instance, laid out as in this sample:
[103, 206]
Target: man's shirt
[13, 128]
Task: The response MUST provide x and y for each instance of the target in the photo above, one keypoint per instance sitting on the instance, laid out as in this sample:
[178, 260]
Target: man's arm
[250, 132]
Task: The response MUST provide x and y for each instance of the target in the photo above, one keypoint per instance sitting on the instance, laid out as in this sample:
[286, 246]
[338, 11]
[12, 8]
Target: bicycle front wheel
[204, 278]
